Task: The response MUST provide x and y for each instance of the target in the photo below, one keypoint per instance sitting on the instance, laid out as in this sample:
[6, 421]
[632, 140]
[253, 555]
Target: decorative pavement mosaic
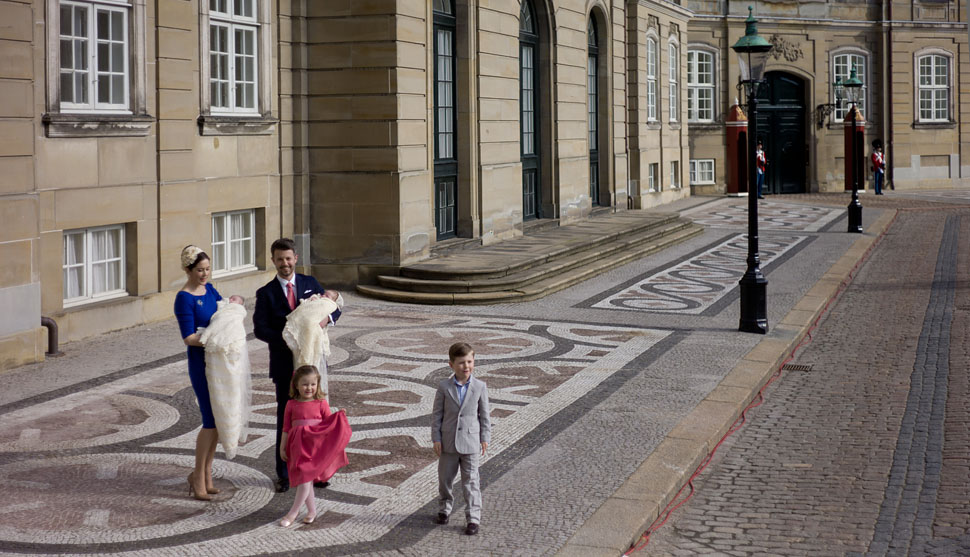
[695, 285]
[100, 467]
[122, 449]
[772, 215]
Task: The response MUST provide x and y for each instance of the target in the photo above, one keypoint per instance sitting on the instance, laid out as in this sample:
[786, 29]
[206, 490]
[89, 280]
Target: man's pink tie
[290, 296]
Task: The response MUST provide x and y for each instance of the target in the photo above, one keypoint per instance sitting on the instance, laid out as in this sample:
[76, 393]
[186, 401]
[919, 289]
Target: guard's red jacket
[878, 162]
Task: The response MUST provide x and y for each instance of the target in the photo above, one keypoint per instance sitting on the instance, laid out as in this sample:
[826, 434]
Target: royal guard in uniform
[762, 162]
[878, 165]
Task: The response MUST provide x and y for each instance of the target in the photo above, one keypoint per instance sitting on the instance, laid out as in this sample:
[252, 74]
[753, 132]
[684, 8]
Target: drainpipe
[52, 351]
[887, 86]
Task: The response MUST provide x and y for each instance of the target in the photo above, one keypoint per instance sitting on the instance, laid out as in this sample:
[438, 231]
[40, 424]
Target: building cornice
[836, 22]
[668, 8]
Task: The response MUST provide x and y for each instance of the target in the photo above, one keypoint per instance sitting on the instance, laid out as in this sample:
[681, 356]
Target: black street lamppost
[853, 87]
[752, 52]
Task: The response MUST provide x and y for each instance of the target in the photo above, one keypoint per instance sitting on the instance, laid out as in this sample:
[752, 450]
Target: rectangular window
[591, 101]
[934, 88]
[527, 100]
[674, 174]
[702, 171]
[842, 65]
[651, 80]
[445, 97]
[233, 241]
[93, 52]
[700, 86]
[233, 77]
[653, 177]
[94, 264]
[673, 86]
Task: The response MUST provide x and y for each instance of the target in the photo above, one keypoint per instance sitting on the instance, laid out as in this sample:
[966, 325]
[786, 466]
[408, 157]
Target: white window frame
[217, 120]
[700, 175]
[87, 264]
[934, 88]
[70, 119]
[653, 177]
[135, 75]
[234, 23]
[695, 85]
[674, 175]
[228, 241]
[653, 66]
[673, 78]
[843, 69]
[93, 73]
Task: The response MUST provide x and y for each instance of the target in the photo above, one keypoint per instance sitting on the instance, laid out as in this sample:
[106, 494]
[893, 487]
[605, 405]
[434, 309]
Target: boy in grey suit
[460, 431]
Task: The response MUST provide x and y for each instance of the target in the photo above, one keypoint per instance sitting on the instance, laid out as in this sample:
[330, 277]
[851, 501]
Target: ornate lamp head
[752, 51]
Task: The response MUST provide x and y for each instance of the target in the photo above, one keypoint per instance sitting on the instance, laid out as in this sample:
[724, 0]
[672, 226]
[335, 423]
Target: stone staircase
[535, 265]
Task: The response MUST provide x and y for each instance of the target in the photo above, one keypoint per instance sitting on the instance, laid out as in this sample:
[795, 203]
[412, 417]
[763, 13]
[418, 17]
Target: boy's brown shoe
[471, 529]
[442, 518]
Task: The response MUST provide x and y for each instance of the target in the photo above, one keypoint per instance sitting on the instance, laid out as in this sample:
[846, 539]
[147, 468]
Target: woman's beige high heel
[193, 493]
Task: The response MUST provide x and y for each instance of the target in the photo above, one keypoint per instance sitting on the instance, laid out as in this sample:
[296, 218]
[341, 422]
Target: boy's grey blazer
[461, 429]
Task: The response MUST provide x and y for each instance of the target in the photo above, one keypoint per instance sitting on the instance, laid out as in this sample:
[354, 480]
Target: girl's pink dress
[316, 441]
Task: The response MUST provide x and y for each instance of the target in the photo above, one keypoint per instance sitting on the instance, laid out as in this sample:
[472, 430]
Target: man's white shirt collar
[283, 282]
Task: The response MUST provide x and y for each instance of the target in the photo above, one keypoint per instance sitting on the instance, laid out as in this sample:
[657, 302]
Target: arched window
[652, 66]
[592, 94]
[933, 87]
[526, 19]
[528, 115]
[445, 120]
[700, 85]
[842, 64]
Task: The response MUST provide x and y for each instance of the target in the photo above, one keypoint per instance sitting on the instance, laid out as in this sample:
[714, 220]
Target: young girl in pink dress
[313, 441]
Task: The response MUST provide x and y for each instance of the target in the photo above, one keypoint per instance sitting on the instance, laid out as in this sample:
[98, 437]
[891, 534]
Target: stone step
[534, 285]
[559, 242]
[536, 271]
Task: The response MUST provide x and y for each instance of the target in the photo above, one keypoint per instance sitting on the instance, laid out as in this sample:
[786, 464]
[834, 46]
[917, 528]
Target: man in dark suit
[274, 302]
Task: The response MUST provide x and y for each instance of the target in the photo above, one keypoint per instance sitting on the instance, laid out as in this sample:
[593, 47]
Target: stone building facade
[443, 120]
[369, 131]
[374, 132]
[911, 56]
[116, 152]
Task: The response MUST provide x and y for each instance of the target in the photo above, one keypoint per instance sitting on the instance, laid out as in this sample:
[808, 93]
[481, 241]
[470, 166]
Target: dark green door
[781, 127]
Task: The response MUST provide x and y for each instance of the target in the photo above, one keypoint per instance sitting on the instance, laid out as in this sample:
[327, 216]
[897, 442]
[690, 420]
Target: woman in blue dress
[194, 306]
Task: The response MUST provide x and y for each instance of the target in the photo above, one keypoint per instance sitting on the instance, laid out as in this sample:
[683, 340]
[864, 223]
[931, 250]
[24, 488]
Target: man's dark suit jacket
[269, 319]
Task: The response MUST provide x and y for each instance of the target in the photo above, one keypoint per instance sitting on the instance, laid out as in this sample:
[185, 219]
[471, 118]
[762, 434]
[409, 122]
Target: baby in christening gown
[306, 332]
[227, 370]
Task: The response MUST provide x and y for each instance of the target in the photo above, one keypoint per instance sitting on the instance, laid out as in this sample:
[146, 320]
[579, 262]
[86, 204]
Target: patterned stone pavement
[94, 459]
[695, 285]
[772, 215]
[867, 453]
[534, 369]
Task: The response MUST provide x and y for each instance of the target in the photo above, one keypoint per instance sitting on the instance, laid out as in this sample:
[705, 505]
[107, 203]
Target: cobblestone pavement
[868, 452]
[95, 446]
